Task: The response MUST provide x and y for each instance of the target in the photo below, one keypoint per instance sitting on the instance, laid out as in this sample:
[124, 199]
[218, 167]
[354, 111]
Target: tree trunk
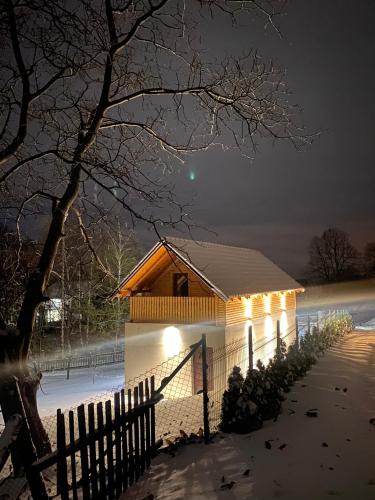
[23, 450]
[11, 365]
[28, 385]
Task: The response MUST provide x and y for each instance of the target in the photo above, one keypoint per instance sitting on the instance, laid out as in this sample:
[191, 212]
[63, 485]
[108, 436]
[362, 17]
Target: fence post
[62, 468]
[297, 333]
[153, 433]
[250, 346]
[278, 338]
[23, 451]
[68, 369]
[308, 323]
[206, 424]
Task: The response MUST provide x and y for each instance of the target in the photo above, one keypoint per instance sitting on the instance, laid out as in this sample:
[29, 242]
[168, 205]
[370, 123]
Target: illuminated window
[180, 285]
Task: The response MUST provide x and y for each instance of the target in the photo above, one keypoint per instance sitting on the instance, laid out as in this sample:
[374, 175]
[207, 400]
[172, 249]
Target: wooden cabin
[182, 288]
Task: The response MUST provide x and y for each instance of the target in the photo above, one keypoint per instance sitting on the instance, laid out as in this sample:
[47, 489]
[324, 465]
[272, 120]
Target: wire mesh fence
[181, 409]
[315, 319]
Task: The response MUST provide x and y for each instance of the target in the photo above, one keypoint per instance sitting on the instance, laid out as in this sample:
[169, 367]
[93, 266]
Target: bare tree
[89, 281]
[368, 260]
[17, 260]
[111, 94]
[332, 256]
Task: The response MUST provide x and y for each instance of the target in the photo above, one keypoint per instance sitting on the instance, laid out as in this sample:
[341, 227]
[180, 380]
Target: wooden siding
[177, 310]
[291, 300]
[235, 311]
[235, 308]
[163, 285]
[257, 306]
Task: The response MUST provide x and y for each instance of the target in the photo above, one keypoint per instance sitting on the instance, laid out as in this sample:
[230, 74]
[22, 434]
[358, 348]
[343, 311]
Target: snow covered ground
[356, 297]
[84, 384]
[368, 325]
[309, 458]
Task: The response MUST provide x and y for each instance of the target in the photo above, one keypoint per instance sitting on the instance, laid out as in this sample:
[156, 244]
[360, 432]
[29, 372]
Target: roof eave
[244, 294]
[135, 269]
[214, 288]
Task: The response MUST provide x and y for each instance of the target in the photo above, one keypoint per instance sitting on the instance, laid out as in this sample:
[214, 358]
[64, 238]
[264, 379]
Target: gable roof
[234, 270]
[229, 271]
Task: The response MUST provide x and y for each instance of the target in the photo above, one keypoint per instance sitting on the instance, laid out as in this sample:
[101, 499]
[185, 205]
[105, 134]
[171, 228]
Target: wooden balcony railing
[177, 309]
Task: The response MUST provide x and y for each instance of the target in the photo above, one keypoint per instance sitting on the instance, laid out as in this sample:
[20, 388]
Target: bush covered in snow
[261, 388]
[247, 402]
[238, 412]
[280, 370]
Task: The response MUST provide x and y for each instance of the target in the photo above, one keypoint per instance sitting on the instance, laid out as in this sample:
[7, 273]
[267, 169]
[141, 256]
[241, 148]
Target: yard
[297, 457]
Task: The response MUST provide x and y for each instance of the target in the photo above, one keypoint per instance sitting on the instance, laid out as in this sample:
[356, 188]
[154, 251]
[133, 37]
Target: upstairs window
[180, 285]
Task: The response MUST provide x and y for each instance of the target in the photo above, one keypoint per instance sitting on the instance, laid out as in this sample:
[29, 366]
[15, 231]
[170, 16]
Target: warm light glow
[267, 303]
[283, 323]
[268, 327]
[248, 303]
[172, 341]
[283, 301]
[248, 323]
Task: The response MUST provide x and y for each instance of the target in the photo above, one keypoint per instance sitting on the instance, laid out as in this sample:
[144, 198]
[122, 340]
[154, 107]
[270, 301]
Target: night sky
[277, 202]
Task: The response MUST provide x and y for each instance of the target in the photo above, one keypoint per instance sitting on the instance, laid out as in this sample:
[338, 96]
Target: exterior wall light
[268, 326]
[172, 341]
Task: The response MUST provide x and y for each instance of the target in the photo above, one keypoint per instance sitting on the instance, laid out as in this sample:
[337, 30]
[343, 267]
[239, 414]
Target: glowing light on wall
[268, 327]
[248, 304]
[283, 323]
[172, 341]
[283, 301]
[267, 303]
[246, 328]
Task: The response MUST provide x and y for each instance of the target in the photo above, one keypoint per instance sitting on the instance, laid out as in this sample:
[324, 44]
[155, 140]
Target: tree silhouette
[332, 256]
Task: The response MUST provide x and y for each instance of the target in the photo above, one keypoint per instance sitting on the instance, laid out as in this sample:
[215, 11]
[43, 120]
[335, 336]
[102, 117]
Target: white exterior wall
[264, 330]
[148, 345]
[153, 348]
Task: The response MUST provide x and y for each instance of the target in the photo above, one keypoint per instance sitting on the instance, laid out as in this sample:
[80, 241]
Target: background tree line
[333, 258]
[79, 313]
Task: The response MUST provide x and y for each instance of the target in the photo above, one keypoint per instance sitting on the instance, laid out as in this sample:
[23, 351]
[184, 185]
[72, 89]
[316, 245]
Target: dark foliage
[246, 403]
[280, 371]
[261, 388]
[238, 412]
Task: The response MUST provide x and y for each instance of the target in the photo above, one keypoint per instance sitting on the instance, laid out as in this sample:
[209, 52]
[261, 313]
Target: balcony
[177, 310]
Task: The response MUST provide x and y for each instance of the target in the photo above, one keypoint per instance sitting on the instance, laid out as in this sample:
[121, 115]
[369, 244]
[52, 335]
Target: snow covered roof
[229, 271]
[233, 270]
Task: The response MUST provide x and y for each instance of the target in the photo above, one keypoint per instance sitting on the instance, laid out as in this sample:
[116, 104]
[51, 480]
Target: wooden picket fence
[104, 449]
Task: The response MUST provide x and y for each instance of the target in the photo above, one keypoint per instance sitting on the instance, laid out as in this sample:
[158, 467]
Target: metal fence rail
[84, 361]
[306, 322]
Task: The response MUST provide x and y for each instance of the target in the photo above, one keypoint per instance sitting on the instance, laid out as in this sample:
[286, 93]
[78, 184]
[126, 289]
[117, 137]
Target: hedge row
[249, 401]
